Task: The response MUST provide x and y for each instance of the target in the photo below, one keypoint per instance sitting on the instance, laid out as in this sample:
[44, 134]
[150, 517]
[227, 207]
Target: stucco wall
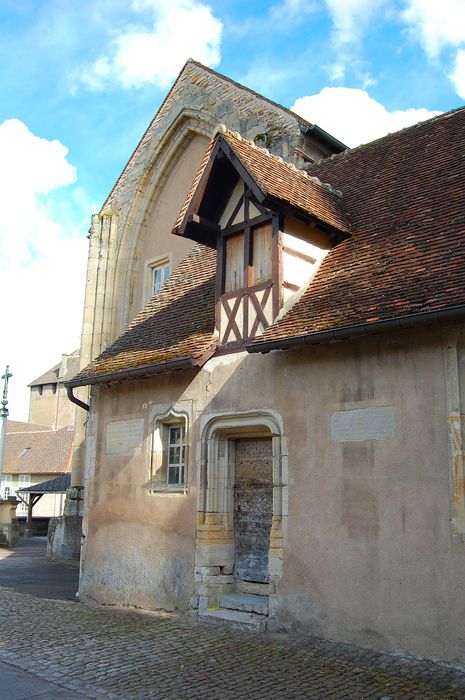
[157, 240]
[51, 408]
[369, 556]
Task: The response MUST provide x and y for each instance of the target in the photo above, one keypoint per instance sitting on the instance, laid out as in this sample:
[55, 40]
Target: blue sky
[80, 81]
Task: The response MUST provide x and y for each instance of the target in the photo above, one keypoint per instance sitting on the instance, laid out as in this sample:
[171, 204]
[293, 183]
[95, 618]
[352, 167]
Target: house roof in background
[16, 426]
[60, 484]
[51, 375]
[39, 452]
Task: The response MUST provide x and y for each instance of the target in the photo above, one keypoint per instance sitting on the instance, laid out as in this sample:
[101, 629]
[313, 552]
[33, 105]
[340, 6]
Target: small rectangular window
[6, 486]
[160, 274]
[234, 263]
[176, 454]
[24, 480]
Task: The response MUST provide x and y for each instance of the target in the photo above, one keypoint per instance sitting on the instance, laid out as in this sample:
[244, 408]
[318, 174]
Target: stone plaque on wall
[357, 425]
[124, 437]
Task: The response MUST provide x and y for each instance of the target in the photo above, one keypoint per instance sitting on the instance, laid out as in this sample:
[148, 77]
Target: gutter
[453, 313]
[136, 373]
[323, 136]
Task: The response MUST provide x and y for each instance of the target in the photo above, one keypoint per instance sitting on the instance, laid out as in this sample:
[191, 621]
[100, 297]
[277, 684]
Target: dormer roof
[270, 179]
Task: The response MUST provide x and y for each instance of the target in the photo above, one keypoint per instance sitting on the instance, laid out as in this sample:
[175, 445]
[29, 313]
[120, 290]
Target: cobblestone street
[104, 652]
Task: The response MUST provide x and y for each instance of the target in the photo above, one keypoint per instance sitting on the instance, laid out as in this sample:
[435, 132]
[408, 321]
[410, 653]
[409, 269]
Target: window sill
[168, 488]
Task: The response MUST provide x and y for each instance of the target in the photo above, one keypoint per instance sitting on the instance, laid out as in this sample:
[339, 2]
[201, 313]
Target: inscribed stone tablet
[357, 425]
[124, 437]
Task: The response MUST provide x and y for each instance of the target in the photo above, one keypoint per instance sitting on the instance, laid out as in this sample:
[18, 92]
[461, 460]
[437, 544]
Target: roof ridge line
[296, 116]
[391, 134]
[292, 166]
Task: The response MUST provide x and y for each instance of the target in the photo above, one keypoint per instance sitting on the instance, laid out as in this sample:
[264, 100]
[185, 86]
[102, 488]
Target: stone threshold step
[251, 588]
[234, 619]
[245, 602]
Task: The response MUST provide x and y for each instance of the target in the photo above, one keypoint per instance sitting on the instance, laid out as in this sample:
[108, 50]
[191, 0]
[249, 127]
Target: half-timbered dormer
[271, 225]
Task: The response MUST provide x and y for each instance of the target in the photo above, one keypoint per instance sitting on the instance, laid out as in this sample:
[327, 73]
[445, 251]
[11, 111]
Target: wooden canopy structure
[33, 494]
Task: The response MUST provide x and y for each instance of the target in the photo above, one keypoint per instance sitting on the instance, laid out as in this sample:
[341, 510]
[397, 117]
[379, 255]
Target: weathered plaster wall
[49, 408]
[369, 556]
[166, 201]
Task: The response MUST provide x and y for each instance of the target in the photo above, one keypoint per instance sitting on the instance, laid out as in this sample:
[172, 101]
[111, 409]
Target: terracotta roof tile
[405, 196]
[41, 452]
[16, 426]
[177, 323]
[278, 179]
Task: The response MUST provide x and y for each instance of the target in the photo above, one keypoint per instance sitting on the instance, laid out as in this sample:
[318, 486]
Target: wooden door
[253, 508]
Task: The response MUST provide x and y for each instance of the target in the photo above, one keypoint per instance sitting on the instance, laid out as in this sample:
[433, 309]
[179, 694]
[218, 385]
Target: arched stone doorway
[223, 550]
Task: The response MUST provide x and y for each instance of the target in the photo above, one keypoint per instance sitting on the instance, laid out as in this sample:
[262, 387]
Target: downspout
[75, 400]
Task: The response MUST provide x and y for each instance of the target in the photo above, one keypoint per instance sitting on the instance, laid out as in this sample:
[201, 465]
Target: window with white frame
[24, 480]
[157, 271]
[159, 274]
[169, 453]
[176, 454]
[6, 486]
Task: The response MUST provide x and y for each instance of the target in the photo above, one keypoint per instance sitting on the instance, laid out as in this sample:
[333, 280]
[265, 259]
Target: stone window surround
[163, 417]
[214, 555]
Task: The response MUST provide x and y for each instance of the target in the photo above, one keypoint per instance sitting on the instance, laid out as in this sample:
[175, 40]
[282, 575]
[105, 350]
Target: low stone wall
[9, 526]
[64, 538]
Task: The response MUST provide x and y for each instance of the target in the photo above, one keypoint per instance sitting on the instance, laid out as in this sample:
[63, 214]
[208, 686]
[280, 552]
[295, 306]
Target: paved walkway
[26, 569]
[101, 652]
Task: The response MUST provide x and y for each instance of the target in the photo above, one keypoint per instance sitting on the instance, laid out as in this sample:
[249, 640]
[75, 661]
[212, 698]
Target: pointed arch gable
[133, 230]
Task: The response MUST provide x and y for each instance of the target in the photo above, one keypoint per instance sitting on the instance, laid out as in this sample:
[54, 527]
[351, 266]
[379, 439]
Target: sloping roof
[176, 326]
[48, 377]
[405, 196]
[60, 484]
[51, 375]
[41, 452]
[16, 426]
[278, 179]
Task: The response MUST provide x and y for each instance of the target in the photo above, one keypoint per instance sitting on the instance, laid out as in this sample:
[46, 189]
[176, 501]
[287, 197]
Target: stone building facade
[48, 403]
[274, 438]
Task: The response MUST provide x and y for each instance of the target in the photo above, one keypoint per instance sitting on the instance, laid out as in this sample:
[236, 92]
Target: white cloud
[439, 26]
[154, 51]
[350, 17]
[436, 23]
[350, 20]
[353, 117]
[42, 266]
[458, 74]
[291, 11]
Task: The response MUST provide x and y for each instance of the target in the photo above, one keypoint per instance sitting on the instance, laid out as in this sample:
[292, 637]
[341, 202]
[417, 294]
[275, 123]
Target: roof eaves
[143, 371]
[453, 313]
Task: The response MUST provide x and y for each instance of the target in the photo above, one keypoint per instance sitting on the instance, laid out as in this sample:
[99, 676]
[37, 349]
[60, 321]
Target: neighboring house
[48, 403]
[35, 454]
[279, 430]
